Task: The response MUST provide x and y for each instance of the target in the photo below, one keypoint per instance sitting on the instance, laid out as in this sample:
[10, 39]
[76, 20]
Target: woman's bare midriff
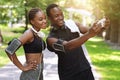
[38, 57]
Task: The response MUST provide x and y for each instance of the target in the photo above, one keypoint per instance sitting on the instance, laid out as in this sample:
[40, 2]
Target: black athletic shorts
[85, 75]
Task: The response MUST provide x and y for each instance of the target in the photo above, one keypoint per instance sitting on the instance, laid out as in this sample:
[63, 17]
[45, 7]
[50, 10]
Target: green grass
[104, 58]
[8, 34]
[3, 56]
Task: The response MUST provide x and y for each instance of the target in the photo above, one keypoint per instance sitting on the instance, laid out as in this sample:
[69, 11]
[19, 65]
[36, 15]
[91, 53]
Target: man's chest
[66, 34]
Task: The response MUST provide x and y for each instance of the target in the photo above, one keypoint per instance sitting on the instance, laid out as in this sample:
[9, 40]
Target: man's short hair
[49, 8]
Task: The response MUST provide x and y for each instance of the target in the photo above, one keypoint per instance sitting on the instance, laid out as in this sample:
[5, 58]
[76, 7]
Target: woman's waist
[37, 58]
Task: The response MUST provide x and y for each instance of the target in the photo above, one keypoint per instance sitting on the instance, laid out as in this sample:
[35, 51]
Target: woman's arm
[27, 36]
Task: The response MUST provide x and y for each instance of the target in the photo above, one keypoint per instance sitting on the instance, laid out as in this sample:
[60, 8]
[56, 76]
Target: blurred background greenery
[104, 49]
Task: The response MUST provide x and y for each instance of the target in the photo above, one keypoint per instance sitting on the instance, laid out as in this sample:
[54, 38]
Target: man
[66, 43]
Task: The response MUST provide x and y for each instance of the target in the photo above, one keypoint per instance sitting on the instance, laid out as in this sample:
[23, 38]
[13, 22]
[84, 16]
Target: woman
[33, 46]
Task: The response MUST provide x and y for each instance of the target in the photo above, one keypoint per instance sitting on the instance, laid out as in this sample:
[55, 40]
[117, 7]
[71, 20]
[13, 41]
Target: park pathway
[11, 72]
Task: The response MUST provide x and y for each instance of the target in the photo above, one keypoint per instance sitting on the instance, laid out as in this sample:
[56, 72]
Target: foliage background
[104, 52]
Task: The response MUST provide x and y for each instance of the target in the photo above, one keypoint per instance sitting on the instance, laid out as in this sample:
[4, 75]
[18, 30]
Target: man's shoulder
[72, 25]
[52, 34]
[69, 20]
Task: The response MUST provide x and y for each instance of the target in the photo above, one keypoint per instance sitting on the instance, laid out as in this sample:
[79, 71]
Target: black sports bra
[36, 46]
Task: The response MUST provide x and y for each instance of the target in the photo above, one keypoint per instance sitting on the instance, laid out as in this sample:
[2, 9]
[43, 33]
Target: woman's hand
[32, 65]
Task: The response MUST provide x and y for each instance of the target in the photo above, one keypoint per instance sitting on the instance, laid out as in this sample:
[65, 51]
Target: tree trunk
[1, 38]
[114, 31]
[107, 34]
[26, 16]
[119, 34]
[26, 19]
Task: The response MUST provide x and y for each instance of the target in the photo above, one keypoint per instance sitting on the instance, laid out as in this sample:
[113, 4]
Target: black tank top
[36, 46]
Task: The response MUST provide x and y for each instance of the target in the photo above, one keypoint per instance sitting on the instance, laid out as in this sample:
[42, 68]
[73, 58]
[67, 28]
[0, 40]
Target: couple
[64, 41]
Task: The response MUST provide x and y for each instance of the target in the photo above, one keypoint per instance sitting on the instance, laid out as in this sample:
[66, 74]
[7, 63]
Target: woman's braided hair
[32, 13]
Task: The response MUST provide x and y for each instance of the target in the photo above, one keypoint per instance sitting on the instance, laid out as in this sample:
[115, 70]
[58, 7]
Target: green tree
[21, 7]
[110, 8]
